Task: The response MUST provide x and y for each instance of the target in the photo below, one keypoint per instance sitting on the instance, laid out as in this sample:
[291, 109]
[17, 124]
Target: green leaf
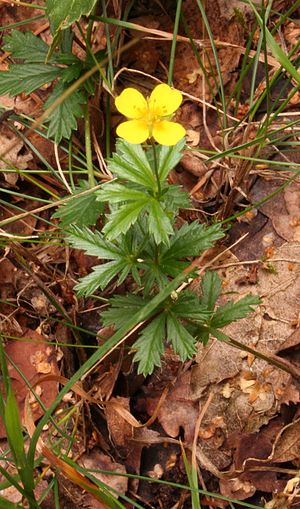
[121, 219]
[168, 158]
[188, 306]
[191, 240]
[64, 118]
[182, 341]
[150, 345]
[93, 243]
[71, 73]
[130, 163]
[159, 223]
[211, 288]
[27, 78]
[100, 277]
[26, 46]
[276, 50]
[122, 307]
[175, 198]
[233, 311]
[14, 429]
[62, 14]
[118, 193]
[80, 210]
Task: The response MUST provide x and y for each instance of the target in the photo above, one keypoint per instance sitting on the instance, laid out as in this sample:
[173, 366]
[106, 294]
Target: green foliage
[26, 46]
[26, 78]
[34, 72]
[80, 210]
[182, 320]
[233, 311]
[150, 345]
[62, 14]
[140, 239]
[63, 119]
[122, 262]
[134, 165]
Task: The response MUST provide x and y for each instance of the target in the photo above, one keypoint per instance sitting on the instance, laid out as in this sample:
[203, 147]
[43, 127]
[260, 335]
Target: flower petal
[164, 100]
[133, 131]
[131, 103]
[168, 133]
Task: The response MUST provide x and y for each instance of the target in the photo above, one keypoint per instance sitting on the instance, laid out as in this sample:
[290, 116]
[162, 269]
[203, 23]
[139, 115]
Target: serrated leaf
[159, 223]
[26, 78]
[71, 73]
[26, 46]
[233, 311]
[64, 118]
[63, 14]
[80, 210]
[121, 219]
[99, 278]
[122, 307]
[117, 193]
[150, 345]
[130, 163]
[175, 198]
[189, 306]
[168, 158]
[93, 243]
[211, 288]
[191, 240]
[182, 341]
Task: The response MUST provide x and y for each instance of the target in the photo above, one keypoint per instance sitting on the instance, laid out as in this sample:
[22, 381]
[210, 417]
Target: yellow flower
[150, 117]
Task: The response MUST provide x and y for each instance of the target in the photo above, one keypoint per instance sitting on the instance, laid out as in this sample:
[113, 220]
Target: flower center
[154, 112]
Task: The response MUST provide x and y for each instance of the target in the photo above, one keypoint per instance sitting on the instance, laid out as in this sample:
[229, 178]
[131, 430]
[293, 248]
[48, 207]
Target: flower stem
[155, 166]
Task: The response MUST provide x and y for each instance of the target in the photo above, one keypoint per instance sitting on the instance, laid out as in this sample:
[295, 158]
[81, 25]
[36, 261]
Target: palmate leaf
[93, 243]
[64, 118]
[80, 210]
[175, 198]
[130, 163]
[121, 219]
[150, 345]
[183, 343]
[26, 46]
[100, 277]
[122, 260]
[211, 288]
[159, 223]
[113, 192]
[233, 311]
[62, 14]
[168, 158]
[122, 306]
[26, 78]
[191, 240]
[189, 306]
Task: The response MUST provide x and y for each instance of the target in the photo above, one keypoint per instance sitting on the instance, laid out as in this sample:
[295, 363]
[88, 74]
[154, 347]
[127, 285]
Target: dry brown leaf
[97, 460]
[32, 356]
[11, 147]
[177, 411]
[119, 428]
[287, 444]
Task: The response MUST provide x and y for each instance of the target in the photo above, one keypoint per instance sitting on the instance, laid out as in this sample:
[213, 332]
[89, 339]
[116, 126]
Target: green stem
[174, 41]
[156, 166]
[88, 147]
